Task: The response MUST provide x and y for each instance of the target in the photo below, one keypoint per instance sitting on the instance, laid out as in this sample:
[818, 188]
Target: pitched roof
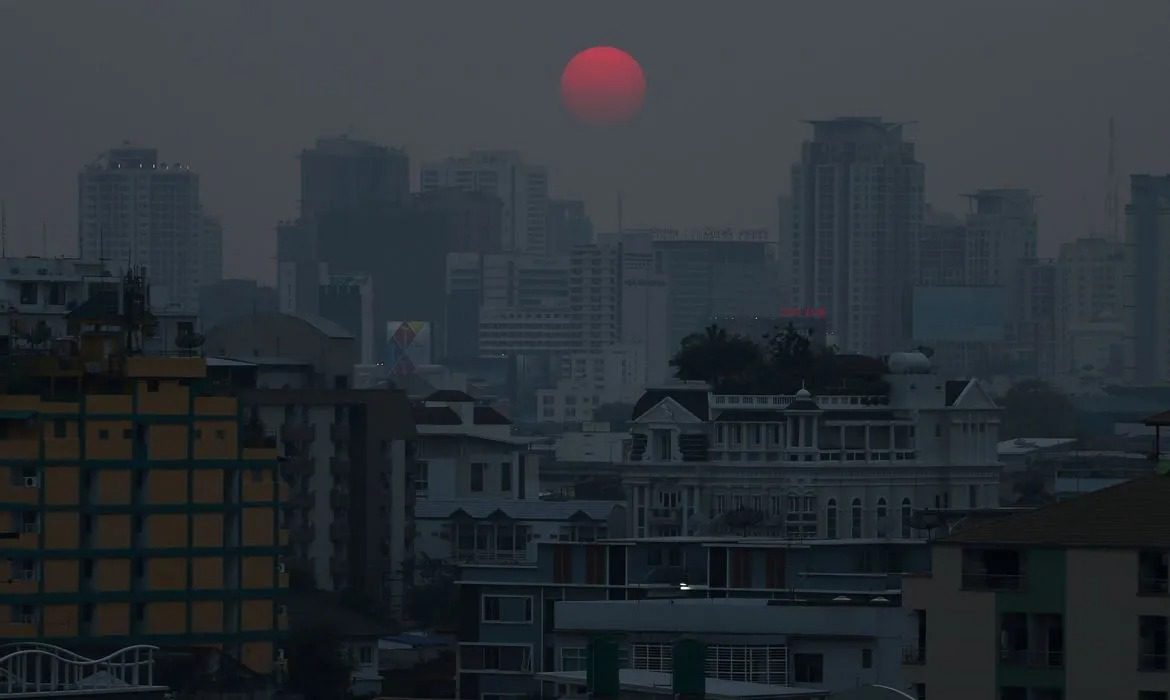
[480, 509]
[1159, 419]
[449, 395]
[694, 400]
[435, 415]
[486, 415]
[954, 388]
[1129, 515]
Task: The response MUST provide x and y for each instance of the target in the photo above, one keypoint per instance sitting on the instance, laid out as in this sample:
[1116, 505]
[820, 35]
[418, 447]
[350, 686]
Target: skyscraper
[344, 173]
[568, 225]
[522, 188]
[134, 211]
[1148, 242]
[857, 205]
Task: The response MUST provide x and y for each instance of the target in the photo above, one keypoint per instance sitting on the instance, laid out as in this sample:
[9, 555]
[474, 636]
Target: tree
[1033, 408]
[728, 362]
[433, 602]
[317, 666]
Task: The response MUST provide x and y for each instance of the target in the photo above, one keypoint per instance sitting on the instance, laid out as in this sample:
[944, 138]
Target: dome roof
[909, 363]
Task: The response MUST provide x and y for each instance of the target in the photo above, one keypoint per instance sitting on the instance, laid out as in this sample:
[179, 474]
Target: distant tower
[1112, 206]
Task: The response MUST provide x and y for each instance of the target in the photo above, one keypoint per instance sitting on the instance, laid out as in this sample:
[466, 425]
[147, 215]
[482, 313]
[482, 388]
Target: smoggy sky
[1004, 92]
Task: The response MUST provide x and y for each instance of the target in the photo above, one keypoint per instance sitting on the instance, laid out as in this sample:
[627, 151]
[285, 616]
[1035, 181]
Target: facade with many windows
[804, 467]
[1065, 602]
[137, 508]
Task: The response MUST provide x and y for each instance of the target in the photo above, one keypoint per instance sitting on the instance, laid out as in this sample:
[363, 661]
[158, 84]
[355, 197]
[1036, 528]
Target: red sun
[603, 86]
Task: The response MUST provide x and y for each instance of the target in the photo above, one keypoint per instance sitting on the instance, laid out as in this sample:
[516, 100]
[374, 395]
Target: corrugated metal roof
[479, 509]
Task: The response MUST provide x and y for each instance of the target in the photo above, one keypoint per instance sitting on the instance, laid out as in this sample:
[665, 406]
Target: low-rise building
[1068, 601]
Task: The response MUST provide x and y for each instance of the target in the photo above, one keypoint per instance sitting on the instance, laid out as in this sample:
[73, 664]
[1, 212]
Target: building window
[507, 609]
[1152, 643]
[59, 429]
[867, 658]
[365, 655]
[662, 445]
[1152, 572]
[907, 511]
[421, 477]
[28, 292]
[574, 658]
[501, 658]
[103, 435]
[651, 657]
[973, 496]
[831, 519]
[855, 519]
[505, 477]
[477, 469]
[808, 668]
[751, 664]
[801, 519]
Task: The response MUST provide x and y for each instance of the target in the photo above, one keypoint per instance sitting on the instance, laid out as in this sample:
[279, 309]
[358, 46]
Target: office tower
[1090, 309]
[1001, 234]
[568, 225]
[522, 188]
[644, 303]
[475, 219]
[234, 297]
[135, 211]
[1148, 242]
[347, 299]
[595, 293]
[140, 507]
[211, 252]
[857, 206]
[344, 173]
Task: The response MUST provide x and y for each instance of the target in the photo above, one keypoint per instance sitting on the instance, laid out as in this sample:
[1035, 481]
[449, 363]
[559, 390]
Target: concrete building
[504, 331]
[1148, 247]
[568, 225]
[522, 188]
[211, 252]
[1067, 601]
[475, 218]
[614, 375]
[135, 211]
[340, 173]
[857, 206]
[803, 466]
[1090, 311]
[233, 297]
[521, 623]
[347, 299]
[138, 509]
[595, 295]
[344, 450]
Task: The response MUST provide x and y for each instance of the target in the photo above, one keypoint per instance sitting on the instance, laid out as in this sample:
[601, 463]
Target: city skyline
[1036, 126]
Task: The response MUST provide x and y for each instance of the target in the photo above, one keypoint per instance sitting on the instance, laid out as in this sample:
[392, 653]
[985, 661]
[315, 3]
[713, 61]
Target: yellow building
[137, 507]
[1066, 602]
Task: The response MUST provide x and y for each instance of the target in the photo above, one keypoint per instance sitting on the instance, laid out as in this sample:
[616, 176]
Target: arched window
[855, 520]
[881, 508]
[831, 519]
[906, 518]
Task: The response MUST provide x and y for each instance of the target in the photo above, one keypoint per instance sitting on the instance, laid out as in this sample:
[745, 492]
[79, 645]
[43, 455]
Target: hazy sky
[1004, 93]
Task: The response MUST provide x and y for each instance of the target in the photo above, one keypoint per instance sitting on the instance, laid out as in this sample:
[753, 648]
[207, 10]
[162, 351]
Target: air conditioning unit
[281, 568]
[31, 482]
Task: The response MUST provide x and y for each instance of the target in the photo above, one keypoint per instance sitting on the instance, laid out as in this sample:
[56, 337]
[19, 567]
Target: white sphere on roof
[803, 394]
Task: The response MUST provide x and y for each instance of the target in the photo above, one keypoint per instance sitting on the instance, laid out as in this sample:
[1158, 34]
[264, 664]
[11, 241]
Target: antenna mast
[619, 212]
[3, 230]
[1112, 206]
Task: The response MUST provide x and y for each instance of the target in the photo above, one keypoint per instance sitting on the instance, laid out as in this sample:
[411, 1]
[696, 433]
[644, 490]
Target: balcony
[298, 432]
[1153, 585]
[664, 515]
[1152, 662]
[339, 432]
[339, 499]
[339, 467]
[992, 582]
[339, 531]
[301, 500]
[913, 656]
[479, 556]
[298, 468]
[302, 535]
[1032, 658]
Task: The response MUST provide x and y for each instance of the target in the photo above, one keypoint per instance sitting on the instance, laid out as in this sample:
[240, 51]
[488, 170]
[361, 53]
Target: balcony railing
[913, 656]
[476, 556]
[298, 432]
[1152, 662]
[782, 401]
[992, 582]
[1032, 658]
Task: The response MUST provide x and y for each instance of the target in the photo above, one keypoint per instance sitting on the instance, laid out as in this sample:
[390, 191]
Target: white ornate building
[805, 466]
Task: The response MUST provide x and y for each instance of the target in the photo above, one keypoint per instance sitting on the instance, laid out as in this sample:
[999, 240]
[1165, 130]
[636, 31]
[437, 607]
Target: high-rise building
[1001, 236]
[211, 252]
[139, 508]
[1090, 309]
[234, 297]
[135, 211]
[522, 188]
[474, 218]
[857, 207]
[595, 294]
[1148, 242]
[344, 173]
[568, 225]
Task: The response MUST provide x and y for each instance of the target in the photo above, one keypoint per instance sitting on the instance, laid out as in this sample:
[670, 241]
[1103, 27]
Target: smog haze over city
[608, 350]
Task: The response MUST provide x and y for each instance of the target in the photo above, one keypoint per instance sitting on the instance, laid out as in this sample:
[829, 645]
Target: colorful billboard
[408, 345]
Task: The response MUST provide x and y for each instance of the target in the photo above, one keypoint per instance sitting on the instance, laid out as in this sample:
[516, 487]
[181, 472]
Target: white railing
[782, 400]
[35, 667]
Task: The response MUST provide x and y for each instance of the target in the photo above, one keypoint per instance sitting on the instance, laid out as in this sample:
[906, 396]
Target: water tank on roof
[909, 363]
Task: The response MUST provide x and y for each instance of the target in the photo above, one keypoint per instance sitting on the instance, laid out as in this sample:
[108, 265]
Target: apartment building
[138, 508]
[1065, 602]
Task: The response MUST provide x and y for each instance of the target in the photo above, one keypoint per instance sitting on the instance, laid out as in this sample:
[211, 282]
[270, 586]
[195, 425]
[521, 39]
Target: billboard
[959, 314]
[408, 345]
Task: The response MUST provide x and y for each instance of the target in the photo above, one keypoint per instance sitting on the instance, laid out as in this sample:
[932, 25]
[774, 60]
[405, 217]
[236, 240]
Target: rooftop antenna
[619, 212]
[3, 230]
[44, 240]
[1112, 208]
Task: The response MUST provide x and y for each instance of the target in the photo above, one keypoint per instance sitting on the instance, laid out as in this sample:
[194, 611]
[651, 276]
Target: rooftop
[480, 509]
[1129, 515]
[657, 683]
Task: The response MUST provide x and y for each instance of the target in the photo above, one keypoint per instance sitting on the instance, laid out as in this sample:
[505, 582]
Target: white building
[857, 206]
[136, 211]
[527, 331]
[616, 374]
[522, 188]
[803, 466]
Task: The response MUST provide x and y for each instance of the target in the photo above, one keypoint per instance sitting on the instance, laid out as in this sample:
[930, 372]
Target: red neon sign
[802, 312]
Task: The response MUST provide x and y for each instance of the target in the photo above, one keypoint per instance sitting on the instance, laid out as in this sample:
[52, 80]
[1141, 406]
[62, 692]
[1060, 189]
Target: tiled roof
[479, 509]
[486, 415]
[449, 395]
[694, 400]
[435, 415]
[954, 388]
[1130, 515]
[1159, 419]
